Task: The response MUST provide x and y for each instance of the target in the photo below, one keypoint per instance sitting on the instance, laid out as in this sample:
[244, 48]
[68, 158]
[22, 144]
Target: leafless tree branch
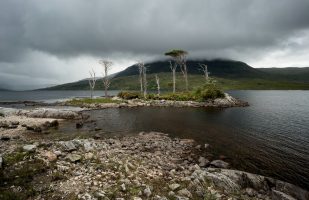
[92, 81]
[107, 66]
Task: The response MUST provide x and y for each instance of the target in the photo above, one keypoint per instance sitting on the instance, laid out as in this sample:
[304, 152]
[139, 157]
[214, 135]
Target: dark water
[47, 96]
[271, 137]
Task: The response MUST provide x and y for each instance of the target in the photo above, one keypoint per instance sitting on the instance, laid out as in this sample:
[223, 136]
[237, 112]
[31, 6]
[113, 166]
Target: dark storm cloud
[60, 31]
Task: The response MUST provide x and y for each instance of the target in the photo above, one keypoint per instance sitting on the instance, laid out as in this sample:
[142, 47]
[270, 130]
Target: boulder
[68, 145]
[234, 181]
[53, 123]
[34, 128]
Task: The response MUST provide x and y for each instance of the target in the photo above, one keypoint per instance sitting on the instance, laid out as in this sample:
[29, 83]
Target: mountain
[217, 67]
[229, 74]
[2, 89]
[289, 73]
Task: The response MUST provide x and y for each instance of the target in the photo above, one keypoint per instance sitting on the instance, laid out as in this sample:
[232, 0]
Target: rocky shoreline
[148, 165]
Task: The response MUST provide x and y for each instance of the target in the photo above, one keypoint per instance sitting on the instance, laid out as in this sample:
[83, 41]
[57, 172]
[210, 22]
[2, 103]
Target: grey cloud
[238, 29]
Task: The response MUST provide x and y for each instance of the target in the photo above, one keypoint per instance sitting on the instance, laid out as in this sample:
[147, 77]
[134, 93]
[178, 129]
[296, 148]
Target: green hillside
[229, 75]
[218, 68]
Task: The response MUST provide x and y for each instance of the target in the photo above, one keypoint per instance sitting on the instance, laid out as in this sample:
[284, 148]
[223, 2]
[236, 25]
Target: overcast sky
[58, 41]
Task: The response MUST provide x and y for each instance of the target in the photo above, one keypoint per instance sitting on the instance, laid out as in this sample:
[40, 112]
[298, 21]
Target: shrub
[128, 95]
[209, 91]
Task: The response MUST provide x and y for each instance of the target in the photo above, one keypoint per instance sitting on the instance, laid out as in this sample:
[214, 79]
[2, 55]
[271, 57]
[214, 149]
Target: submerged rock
[219, 164]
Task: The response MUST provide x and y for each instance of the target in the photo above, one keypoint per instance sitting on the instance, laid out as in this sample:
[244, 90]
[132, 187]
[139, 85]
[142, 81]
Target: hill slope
[230, 75]
[218, 68]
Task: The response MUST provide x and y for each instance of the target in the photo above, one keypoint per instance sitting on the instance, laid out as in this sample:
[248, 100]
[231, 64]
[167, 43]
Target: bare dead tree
[107, 66]
[203, 68]
[180, 57]
[145, 81]
[92, 81]
[140, 70]
[183, 66]
[143, 78]
[173, 68]
[158, 83]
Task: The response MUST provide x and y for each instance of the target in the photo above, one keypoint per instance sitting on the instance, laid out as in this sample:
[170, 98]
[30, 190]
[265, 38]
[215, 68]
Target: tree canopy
[176, 53]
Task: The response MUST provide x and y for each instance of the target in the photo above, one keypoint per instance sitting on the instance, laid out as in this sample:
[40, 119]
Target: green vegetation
[19, 170]
[129, 95]
[77, 102]
[166, 84]
[206, 92]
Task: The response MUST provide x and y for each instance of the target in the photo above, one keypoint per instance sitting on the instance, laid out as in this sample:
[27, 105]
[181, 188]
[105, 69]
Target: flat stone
[68, 146]
[74, 157]
[174, 186]
[219, 164]
[29, 148]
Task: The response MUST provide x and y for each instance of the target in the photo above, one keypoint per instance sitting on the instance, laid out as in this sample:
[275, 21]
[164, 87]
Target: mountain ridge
[227, 70]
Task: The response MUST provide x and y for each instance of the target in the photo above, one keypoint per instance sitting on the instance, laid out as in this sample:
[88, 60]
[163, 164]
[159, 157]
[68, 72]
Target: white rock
[29, 148]
[174, 186]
